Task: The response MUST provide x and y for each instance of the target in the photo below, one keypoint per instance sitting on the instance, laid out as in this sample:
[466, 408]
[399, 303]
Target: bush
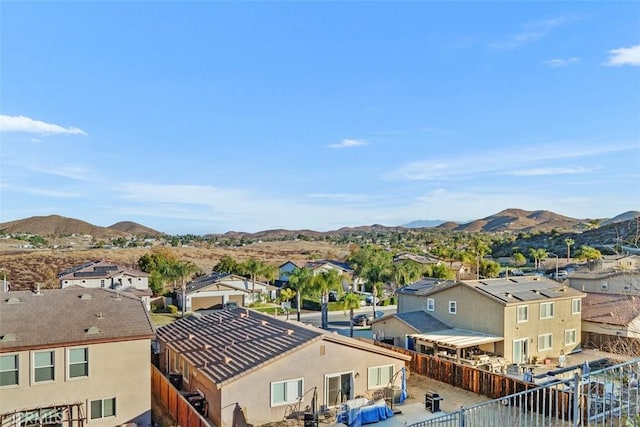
[172, 309]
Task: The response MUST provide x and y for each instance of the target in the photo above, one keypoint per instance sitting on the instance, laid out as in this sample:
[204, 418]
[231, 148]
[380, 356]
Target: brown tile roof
[230, 343]
[59, 317]
[611, 309]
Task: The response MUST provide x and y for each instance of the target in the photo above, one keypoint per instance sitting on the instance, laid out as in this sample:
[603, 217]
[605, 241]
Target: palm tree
[181, 270]
[300, 281]
[254, 268]
[569, 242]
[322, 283]
[351, 302]
[404, 272]
[538, 255]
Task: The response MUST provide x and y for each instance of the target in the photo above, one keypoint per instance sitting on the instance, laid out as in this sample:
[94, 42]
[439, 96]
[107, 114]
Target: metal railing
[599, 397]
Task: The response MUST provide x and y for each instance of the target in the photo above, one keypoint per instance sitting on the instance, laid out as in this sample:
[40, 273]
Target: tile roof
[612, 309]
[230, 343]
[65, 316]
[228, 279]
[339, 264]
[425, 286]
[98, 269]
[420, 321]
[518, 289]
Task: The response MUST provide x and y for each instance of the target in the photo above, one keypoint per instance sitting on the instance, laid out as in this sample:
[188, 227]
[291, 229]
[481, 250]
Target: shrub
[172, 309]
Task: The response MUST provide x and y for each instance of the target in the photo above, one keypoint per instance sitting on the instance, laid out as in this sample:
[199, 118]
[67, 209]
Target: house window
[380, 376]
[546, 310]
[569, 337]
[43, 366]
[604, 286]
[545, 342]
[576, 306]
[103, 408]
[78, 362]
[431, 304]
[452, 307]
[523, 313]
[285, 392]
[102, 283]
[9, 370]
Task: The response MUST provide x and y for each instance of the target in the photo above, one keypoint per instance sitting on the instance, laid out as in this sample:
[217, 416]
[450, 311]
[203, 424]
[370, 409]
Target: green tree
[440, 271]
[254, 268]
[489, 268]
[538, 256]
[182, 270]
[518, 259]
[588, 253]
[300, 282]
[227, 265]
[404, 272]
[569, 242]
[351, 302]
[329, 280]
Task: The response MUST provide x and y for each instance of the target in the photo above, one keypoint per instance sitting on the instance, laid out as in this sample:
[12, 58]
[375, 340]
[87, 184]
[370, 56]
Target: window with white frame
[545, 342]
[43, 366]
[453, 307]
[523, 313]
[9, 370]
[285, 392]
[78, 362]
[576, 306]
[546, 310]
[604, 286]
[431, 304]
[379, 376]
[103, 408]
[570, 337]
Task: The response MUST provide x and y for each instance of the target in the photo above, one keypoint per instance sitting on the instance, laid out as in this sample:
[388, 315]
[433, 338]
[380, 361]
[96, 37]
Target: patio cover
[457, 338]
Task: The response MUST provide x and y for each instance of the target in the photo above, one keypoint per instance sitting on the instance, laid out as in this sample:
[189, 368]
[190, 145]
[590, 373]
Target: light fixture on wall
[357, 375]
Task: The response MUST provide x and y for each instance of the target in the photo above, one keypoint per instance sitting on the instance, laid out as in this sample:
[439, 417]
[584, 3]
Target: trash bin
[176, 380]
[393, 394]
[432, 401]
[310, 419]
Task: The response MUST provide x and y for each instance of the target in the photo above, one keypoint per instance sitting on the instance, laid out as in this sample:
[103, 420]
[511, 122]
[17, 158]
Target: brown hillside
[56, 225]
[521, 220]
[134, 229]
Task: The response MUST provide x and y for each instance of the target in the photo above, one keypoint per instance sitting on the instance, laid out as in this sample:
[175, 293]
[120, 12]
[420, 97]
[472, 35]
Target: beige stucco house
[215, 290]
[532, 317]
[103, 274]
[78, 356]
[610, 320]
[268, 367]
[612, 282]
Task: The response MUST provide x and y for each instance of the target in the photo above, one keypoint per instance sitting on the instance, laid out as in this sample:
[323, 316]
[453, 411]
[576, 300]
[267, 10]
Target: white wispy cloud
[498, 161]
[562, 62]
[529, 32]
[624, 56]
[348, 143]
[549, 171]
[72, 172]
[27, 125]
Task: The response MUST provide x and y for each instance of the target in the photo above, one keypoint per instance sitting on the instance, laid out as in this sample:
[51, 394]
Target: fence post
[461, 421]
[577, 413]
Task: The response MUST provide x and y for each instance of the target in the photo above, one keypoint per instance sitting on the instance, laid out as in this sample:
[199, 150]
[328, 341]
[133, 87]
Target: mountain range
[508, 220]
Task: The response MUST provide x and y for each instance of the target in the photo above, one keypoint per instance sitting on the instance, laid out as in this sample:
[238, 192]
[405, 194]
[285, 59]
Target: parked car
[365, 319]
[561, 275]
[333, 296]
[369, 300]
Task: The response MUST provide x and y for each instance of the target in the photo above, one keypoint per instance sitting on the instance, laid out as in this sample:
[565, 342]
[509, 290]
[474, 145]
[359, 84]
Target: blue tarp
[366, 414]
[403, 386]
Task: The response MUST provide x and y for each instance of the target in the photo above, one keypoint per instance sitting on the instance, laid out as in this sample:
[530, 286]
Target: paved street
[339, 320]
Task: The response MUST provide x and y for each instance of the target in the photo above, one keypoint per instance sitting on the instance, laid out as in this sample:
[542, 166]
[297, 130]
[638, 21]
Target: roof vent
[289, 331]
[508, 295]
[264, 323]
[191, 336]
[93, 330]
[86, 296]
[100, 316]
[241, 315]
[14, 300]
[227, 360]
[9, 337]
[206, 347]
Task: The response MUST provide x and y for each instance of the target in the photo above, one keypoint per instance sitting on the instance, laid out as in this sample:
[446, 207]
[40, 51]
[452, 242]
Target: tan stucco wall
[622, 283]
[407, 303]
[119, 370]
[392, 328]
[253, 391]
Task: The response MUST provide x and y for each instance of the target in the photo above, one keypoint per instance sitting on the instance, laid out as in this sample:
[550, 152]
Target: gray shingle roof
[519, 289]
[425, 286]
[421, 321]
[65, 316]
[98, 269]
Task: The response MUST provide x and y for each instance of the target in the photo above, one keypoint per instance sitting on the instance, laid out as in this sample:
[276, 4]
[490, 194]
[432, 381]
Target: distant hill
[518, 220]
[423, 223]
[134, 229]
[626, 216]
[56, 225]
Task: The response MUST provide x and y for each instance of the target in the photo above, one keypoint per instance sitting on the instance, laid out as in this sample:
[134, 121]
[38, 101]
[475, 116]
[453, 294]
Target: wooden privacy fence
[185, 414]
[462, 376]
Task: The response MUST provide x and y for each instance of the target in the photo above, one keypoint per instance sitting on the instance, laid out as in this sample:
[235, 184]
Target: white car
[370, 298]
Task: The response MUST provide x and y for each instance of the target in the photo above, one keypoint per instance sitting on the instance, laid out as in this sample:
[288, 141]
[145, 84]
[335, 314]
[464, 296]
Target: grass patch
[161, 319]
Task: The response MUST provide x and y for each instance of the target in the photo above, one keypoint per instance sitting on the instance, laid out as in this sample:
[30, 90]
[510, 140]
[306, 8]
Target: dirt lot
[26, 268]
[453, 397]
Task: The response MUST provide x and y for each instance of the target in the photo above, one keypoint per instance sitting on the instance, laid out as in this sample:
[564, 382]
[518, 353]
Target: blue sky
[204, 117]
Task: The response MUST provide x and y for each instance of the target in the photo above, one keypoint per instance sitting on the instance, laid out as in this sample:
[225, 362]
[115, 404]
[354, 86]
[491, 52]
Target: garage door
[205, 303]
[238, 299]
